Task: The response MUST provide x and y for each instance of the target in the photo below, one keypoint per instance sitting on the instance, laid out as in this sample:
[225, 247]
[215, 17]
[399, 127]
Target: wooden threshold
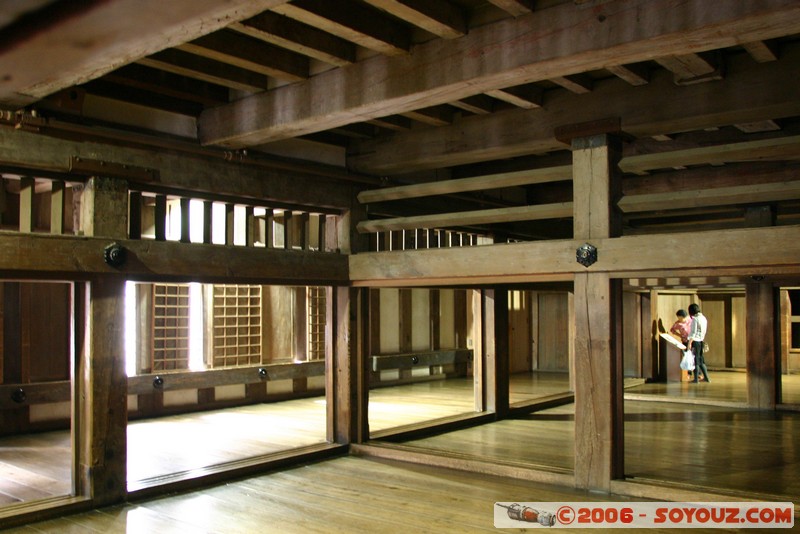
[464, 462]
[194, 478]
[31, 511]
[694, 401]
[433, 426]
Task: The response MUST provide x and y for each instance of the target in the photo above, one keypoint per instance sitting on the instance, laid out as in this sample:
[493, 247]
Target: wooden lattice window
[236, 325]
[316, 323]
[170, 327]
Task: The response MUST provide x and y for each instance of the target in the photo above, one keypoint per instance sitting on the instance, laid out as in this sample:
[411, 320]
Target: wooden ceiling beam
[352, 21]
[751, 92]
[439, 18]
[775, 149]
[719, 253]
[762, 51]
[248, 53]
[478, 104]
[393, 122]
[475, 183]
[436, 116]
[516, 8]
[207, 70]
[578, 84]
[298, 37]
[468, 218]
[523, 96]
[558, 41]
[636, 74]
[82, 41]
[707, 197]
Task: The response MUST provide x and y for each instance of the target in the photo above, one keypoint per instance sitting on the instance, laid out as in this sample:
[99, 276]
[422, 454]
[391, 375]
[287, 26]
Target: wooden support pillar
[230, 228]
[495, 354]
[101, 408]
[406, 315]
[478, 367]
[186, 224]
[104, 208]
[303, 229]
[208, 221]
[57, 207]
[269, 229]
[249, 227]
[598, 382]
[27, 187]
[160, 217]
[763, 371]
[599, 415]
[346, 374]
[321, 223]
[288, 230]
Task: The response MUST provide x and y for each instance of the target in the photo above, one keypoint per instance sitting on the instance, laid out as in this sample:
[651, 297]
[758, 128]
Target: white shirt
[699, 327]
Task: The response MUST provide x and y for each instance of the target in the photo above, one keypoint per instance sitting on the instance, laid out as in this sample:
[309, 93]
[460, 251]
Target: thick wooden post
[597, 307]
[57, 207]
[346, 369]
[104, 208]
[27, 188]
[102, 385]
[495, 354]
[478, 360]
[763, 372]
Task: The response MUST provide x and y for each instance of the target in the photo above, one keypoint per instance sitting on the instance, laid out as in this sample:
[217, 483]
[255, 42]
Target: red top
[682, 329]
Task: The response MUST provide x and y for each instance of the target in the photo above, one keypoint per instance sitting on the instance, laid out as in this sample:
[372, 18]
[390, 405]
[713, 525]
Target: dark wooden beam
[751, 91]
[74, 42]
[545, 44]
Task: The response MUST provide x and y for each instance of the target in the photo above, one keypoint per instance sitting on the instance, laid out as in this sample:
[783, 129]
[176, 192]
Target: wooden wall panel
[390, 319]
[420, 320]
[49, 321]
[447, 330]
[553, 332]
[278, 320]
[714, 308]
[739, 331]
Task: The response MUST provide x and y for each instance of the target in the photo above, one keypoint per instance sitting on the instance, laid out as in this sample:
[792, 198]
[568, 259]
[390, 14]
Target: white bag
[687, 362]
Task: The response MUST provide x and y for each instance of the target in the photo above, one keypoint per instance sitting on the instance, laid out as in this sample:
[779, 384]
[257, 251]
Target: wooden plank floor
[343, 495]
[38, 465]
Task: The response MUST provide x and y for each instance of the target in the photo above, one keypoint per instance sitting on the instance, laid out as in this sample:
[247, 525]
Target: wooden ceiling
[462, 97]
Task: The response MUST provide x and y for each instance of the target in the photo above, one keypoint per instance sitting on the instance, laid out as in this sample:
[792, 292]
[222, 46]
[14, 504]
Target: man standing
[696, 337]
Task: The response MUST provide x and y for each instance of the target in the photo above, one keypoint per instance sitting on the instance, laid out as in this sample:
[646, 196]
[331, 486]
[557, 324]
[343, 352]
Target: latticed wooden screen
[170, 327]
[236, 325]
[316, 323]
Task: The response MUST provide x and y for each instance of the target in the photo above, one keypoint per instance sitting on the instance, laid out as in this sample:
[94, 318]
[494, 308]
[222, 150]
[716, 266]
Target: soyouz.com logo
[644, 515]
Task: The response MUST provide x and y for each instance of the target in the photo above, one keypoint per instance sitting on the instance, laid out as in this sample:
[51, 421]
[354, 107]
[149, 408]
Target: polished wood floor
[717, 446]
[344, 495]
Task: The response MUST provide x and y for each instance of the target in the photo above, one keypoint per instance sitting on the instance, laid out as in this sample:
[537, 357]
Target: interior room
[283, 251]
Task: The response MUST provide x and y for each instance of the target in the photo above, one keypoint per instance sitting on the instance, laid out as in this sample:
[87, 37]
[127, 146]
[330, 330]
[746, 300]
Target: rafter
[351, 21]
[439, 18]
[535, 47]
[515, 8]
[298, 37]
[207, 70]
[248, 53]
